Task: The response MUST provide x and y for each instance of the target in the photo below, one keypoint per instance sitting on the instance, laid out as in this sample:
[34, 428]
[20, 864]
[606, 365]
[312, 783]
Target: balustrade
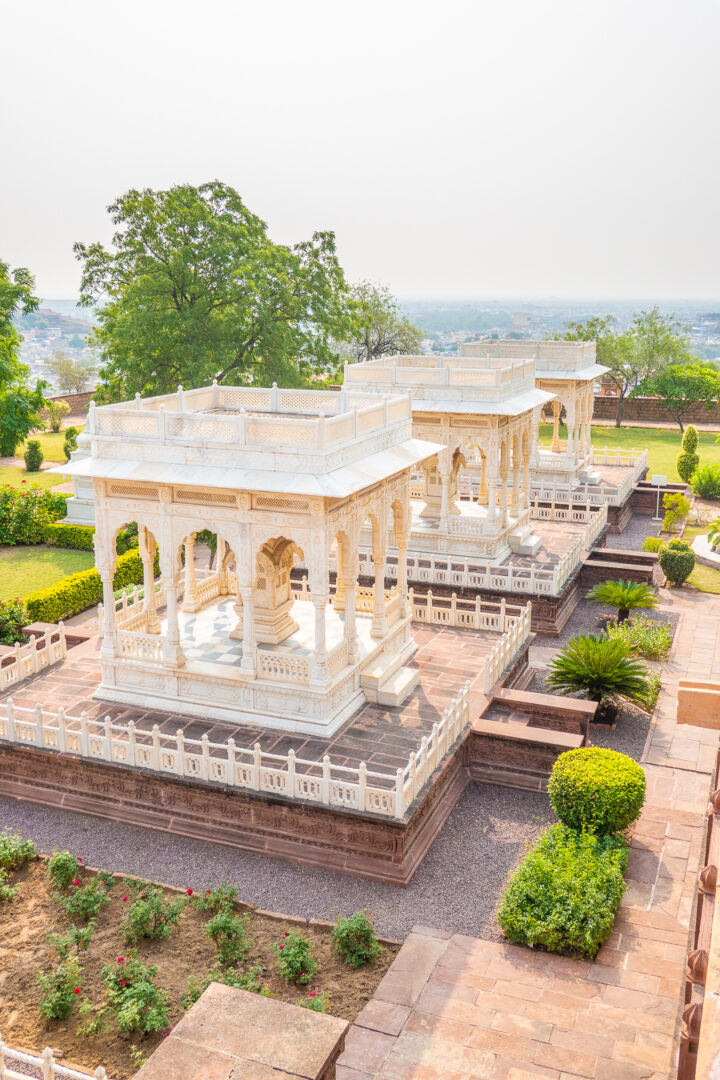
[44, 1064]
[38, 653]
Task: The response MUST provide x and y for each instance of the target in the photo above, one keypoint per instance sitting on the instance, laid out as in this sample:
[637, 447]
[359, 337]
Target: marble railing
[282, 665]
[38, 653]
[250, 769]
[45, 1065]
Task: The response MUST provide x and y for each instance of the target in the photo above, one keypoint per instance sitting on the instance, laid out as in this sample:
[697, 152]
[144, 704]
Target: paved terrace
[382, 737]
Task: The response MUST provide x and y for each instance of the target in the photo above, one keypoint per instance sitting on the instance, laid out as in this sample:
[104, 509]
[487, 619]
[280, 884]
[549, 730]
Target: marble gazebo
[282, 477]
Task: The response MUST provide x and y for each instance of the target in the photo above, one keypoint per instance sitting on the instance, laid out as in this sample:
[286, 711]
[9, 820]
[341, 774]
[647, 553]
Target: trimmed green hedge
[77, 592]
[564, 895]
[597, 789]
[81, 537]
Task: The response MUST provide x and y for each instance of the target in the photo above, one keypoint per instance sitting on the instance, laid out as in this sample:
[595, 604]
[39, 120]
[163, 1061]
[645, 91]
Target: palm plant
[626, 596]
[599, 668]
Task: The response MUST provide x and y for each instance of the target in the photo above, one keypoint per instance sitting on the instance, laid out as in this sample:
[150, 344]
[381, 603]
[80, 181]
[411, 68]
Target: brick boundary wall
[652, 408]
[78, 402]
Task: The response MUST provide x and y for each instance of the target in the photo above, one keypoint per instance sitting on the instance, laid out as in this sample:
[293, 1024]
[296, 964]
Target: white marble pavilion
[282, 477]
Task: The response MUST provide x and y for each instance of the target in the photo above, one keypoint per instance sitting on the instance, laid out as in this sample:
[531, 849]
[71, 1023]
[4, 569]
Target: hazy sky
[457, 149]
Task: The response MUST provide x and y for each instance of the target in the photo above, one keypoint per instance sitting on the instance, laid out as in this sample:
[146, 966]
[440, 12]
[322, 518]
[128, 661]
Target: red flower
[312, 993]
[123, 983]
[25, 482]
[121, 960]
[208, 891]
[189, 892]
[79, 859]
[76, 881]
[287, 933]
[77, 988]
[282, 946]
[124, 899]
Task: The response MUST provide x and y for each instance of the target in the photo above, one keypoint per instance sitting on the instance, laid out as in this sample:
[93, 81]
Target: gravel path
[638, 528]
[456, 888]
[590, 618]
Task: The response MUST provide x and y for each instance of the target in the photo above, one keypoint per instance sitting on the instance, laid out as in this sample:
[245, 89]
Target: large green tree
[193, 289]
[652, 343]
[20, 403]
[378, 326]
[684, 386]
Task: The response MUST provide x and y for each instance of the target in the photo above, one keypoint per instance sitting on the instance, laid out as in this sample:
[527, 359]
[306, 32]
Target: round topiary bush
[677, 561]
[596, 789]
[33, 456]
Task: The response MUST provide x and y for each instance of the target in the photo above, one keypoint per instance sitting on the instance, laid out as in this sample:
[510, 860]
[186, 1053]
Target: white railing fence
[39, 652]
[434, 747]
[45, 1064]
[469, 614]
[593, 518]
[507, 649]
[249, 769]
[595, 527]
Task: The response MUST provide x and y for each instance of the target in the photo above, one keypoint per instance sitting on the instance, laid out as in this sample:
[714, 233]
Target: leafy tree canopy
[20, 404]
[378, 326]
[71, 375]
[685, 385]
[652, 343]
[193, 289]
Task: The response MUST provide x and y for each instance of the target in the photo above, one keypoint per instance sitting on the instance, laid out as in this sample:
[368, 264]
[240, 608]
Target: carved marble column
[515, 478]
[482, 499]
[339, 598]
[444, 499]
[401, 540]
[147, 554]
[379, 622]
[556, 410]
[319, 667]
[172, 653]
[248, 664]
[348, 569]
[190, 597]
[109, 645]
[221, 565]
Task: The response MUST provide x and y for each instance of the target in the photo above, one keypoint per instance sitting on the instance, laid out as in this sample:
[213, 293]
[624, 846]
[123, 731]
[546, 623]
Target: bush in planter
[676, 508]
[13, 617]
[705, 482]
[677, 561]
[564, 895]
[354, 939]
[33, 456]
[688, 460]
[596, 789]
[601, 669]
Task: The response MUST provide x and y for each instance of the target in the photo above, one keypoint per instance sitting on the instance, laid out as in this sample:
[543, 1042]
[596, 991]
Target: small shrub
[648, 698]
[596, 789]
[229, 933]
[150, 915]
[136, 1002]
[649, 638]
[705, 481]
[295, 960]
[222, 898]
[14, 851]
[599, 668]
[84, 901]
[677, 561]
[241, 980]
[626, 596]
[62, 868]
[59, 988]
[57, 411]
[676, 508]
[564, 895]
[653, 543]
[688, 460]
[26, 512]
[316, 1001]
[7, 892]
[77, 939]
[354, 939]
[33, 456]
[70, 443]
[13, 617]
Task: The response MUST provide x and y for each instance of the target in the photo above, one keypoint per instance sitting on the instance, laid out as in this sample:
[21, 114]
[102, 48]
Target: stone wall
[78, 402]
[652, 409]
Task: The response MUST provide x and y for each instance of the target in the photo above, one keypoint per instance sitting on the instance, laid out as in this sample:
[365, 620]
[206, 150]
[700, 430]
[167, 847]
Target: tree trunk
[623, 613]
[619, 411]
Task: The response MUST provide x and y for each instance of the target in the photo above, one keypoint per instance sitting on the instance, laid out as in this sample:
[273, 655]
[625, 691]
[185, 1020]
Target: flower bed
[188, 952]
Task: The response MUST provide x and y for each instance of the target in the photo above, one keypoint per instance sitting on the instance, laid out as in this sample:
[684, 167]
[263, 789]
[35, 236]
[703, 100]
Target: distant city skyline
[475, 150]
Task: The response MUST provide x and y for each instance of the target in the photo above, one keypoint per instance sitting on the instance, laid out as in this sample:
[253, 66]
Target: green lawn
[14, 476]
[50, 444]
[703, 578]
[663, 445]
[24, 569]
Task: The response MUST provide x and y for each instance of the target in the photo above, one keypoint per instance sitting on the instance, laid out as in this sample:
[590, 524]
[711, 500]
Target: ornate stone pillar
[319, 669]
[401, 541]
[515, 478]
[482, 499]
[172, 653]
[190, 597]
[248, 663]
[526, 472]
[444, 499]
[339, 598]
[147, 554]
[556, 410]
[221, 567]
[504, 473]
[109, 645]
[379, 622]
[492, 478]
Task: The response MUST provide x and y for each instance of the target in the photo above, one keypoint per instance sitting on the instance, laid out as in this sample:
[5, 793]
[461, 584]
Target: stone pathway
[461, 1008]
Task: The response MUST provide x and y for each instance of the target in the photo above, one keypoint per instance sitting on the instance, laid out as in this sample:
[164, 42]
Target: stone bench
[231, 1034]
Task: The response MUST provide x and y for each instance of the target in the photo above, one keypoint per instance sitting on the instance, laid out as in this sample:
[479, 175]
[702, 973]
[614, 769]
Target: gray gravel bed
[638, 528]
[456, 888]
